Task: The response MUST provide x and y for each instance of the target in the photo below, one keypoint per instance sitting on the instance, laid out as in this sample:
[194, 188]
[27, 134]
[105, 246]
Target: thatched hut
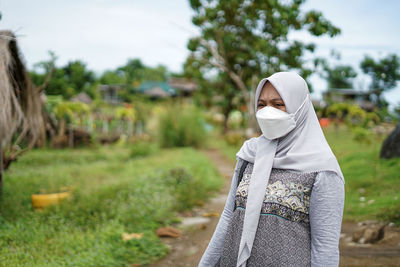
[156, 89]
[183, 86]
[82, 98]
[21, 120]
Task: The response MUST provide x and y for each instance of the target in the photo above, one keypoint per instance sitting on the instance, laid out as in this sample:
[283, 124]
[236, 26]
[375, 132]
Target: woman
[286, 200]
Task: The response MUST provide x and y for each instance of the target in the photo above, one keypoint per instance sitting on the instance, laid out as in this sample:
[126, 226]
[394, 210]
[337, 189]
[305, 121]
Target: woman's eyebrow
[273, 99]
[276, 99]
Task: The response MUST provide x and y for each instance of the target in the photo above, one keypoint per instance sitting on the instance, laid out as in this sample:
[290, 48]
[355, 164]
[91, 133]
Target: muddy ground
[187, 249]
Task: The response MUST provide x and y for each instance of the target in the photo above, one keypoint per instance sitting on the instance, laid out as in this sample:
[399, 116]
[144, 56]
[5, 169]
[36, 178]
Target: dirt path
[384, 253]
[188, 249]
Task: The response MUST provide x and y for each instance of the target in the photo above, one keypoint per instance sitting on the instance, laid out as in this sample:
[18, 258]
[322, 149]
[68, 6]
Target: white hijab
[303, 149]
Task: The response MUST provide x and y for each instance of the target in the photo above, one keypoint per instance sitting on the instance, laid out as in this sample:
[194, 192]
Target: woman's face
[270, 97]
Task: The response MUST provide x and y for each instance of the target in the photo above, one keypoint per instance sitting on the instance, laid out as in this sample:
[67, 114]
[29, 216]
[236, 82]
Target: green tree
[384, 74]
[249, 39]
[79, 77]
[340, 76]
[43, 71]
[159, 73]
[135, 72]
[397, 110]
[67, 81]
[111, 77]
[205, 93]
[132, 71]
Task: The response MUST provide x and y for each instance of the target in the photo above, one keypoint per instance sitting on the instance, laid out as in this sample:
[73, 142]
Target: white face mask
[275, 123]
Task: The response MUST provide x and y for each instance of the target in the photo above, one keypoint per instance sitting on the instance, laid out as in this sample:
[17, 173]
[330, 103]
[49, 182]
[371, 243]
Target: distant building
[109, 93]
[183, 86]
[83, 98]
[361, 98]
[156, 89]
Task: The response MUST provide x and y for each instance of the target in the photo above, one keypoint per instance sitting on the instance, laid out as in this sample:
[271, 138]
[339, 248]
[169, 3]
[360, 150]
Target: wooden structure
[183, 86]
[358, 97]
[109, 93]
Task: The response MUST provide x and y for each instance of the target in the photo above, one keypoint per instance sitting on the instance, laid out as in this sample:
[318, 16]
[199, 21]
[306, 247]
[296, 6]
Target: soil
[187, 249]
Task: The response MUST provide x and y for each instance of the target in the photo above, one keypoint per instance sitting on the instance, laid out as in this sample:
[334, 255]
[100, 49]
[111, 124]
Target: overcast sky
[105, 33]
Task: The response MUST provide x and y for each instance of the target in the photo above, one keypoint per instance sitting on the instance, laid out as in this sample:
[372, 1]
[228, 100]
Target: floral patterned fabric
[283, 233]
[287, 194]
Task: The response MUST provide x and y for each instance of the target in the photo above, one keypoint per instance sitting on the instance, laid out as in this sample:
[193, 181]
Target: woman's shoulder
[330, 175]
[248, 150]
[328, 181]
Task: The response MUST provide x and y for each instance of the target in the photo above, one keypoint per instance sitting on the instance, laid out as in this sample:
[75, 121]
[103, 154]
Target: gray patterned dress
[283, 234]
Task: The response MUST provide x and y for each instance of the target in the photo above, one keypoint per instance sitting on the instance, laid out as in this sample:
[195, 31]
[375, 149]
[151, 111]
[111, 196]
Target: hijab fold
[304, 149]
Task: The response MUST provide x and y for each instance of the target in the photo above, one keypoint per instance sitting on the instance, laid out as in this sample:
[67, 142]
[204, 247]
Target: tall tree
[340, 76]
[112, 77]
[384, 74]
[248, 39]
[132, 71]
[67, 81]
[79, 77]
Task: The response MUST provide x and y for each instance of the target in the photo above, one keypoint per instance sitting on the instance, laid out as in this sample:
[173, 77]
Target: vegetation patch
[113, 194]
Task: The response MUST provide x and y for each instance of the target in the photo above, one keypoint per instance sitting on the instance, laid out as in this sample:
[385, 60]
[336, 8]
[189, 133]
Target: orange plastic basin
[324, 122]
[39, 201]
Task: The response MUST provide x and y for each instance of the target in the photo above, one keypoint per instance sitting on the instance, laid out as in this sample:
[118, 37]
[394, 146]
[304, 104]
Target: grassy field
[372, 184]
[113, 193]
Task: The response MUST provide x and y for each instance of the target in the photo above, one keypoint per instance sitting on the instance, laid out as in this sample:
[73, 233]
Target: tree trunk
[252, 116]
[391, 145]
[61, 129]
[225, 126]
[1, 169]
[70, 137]
[220, 63]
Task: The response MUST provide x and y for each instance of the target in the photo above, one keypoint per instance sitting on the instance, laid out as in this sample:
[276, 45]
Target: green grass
[113, 193]
[371, 179]
[367, 177]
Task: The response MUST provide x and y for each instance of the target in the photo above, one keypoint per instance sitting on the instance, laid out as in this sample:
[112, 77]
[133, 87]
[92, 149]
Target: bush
[234, 138]
[142, 149]
[362, 135]
[235, 120]
[181, 126]
[185, 189]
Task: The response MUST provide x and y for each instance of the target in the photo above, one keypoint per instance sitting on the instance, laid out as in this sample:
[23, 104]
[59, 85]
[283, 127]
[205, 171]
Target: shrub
[234, 138]
[235, 119]
[362, 135]
[142, 149]
[183, 187]
[357, 119]
[186, 190]
[181, 126]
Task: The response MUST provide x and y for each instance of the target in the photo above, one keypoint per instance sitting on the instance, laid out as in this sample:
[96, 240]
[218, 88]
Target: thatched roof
[21, 107]
[156, 89]
[182, 84]
[83, 98]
